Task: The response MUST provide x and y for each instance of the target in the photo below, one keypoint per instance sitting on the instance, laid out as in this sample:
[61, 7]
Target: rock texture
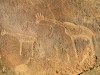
[49, 37]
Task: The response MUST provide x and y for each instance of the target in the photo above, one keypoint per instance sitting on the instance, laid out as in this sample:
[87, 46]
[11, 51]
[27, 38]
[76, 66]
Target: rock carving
[22, 38]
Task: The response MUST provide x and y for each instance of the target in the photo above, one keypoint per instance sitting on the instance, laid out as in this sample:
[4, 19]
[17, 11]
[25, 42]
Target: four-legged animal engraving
[22, 38]
[75, 31]
[22, 68]
[72, 30]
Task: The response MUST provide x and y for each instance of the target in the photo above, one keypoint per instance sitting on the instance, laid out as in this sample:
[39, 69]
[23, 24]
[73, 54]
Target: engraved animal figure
[74, 31]
[79, 31]
[21, 68]
[22, 38]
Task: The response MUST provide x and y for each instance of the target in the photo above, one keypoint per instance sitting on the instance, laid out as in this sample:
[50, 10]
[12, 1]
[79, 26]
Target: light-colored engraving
[0, 56]
[52, 30]
[81, 32]
[39, 17]
[32, 48]
[22, 38]
[68, 57]
[34, 2]
[86, 55]
[4, 68]
[57, 51]
[57, 54]
[73, 31]
[54, 20]
[74, 48]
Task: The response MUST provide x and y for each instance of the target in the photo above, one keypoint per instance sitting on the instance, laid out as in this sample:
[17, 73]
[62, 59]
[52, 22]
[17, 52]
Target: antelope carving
[22, 38]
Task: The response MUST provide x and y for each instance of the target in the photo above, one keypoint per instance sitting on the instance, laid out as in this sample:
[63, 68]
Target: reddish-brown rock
[48, 37]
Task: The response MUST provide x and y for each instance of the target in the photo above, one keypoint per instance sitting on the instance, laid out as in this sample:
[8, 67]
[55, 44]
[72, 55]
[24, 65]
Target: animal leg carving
[92, 48]
[32, 48]
[20, 47]
[74, 47]
[68, 57]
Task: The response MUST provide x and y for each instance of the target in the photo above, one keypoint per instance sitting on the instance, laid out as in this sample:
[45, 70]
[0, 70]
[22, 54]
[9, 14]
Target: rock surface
[49, 37]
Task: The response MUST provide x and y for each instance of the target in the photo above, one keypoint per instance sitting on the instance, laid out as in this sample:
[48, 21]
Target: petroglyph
[39, 17]
[72, 30]
[54, 20]
[37, 37]
[68, 57]
[22, 38]
[78, 31]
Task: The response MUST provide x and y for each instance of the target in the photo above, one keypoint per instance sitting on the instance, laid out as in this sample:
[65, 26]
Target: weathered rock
[54, 37]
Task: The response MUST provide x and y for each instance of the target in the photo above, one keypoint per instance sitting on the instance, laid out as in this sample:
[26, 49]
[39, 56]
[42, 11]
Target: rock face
[49, 37]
